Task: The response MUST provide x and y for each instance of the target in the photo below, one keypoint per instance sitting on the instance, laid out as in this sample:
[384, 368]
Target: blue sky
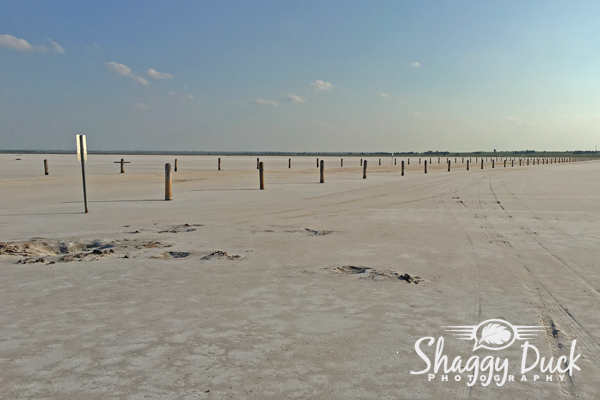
[300, 75]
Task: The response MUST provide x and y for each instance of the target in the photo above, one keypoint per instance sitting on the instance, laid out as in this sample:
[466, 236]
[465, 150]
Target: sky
[312, 76]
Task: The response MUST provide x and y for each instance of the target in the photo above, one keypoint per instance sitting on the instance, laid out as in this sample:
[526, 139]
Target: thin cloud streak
[123, 69]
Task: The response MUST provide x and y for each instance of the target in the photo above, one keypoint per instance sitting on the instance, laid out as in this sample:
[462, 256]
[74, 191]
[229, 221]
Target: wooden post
[463, 160]
[402, 174]
[168, 182]
[528, 161]
[512, 162]
[361, 162]
[45, 167]
[365, 169]
[289, 163]
[257, 162]
[175, 170]
[341, 162]
[504, 163]
[317, 163]
[493, 163]
[481, 162]
[322, 180]
[261, 175]
[219, 164]
[419, 160]
[467, 165]
[449, 165]
[425, 166]
[438, 160]
[394, 161]
[380, 162]
[408, 161]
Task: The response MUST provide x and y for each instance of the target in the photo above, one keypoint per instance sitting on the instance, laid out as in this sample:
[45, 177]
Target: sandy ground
[297, 291]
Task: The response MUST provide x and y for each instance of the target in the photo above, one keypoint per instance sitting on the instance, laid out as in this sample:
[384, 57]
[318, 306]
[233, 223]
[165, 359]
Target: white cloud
[125, 70]
[15, 43]
[384, 95]
[321, 85]
[159, 75]
[415, 64]
[56, 47]
[326, 125]
[294, 98]
[417, 114]
[263, 102]
[23, 45]
[141, 106]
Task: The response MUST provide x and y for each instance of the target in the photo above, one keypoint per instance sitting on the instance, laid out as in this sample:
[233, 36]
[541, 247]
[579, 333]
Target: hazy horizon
[315, 76]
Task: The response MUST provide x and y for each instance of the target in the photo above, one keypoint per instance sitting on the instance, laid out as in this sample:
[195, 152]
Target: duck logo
[494, 334]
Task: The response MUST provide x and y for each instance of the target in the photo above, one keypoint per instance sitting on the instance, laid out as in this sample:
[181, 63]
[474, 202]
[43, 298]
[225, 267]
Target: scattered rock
[410, 279]
[220, 255]
[152, 245]
[102, 252]
[172, 254]
[180, 228]
[31, 261]
[313, 232]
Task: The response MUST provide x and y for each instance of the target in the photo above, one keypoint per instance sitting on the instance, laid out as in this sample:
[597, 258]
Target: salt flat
[232, 292]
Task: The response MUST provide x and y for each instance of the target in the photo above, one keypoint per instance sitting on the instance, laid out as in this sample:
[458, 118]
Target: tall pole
[83, 172]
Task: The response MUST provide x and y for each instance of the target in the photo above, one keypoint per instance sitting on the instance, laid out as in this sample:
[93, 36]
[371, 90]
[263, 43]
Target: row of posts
[535, 160]
[321, 166]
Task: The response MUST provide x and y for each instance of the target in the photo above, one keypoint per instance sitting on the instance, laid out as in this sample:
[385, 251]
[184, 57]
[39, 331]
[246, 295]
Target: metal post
[83, 172]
